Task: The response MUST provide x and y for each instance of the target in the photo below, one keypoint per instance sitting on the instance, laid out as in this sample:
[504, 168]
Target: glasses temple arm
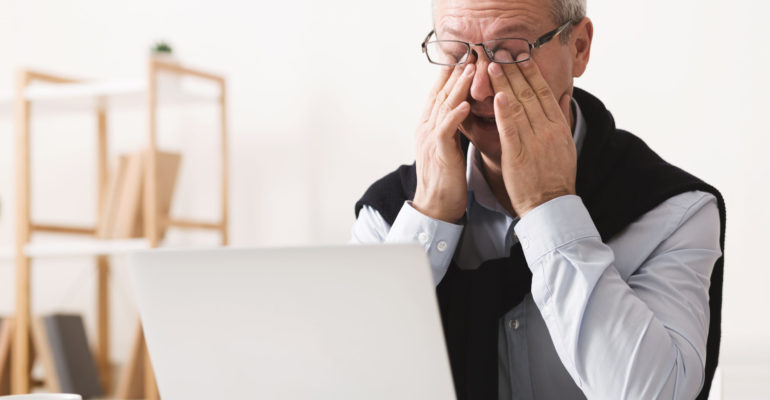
[550, 35]
[425, 41]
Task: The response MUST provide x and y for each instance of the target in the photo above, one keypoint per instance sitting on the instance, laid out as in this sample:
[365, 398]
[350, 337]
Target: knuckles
[508, 132]
[444, 110]
[544, 92]
[516, 109]
[527, 95]
[442, 96]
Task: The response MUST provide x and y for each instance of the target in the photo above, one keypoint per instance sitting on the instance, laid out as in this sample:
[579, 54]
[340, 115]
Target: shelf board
[85, 247]
[85, 96]
[77, 248]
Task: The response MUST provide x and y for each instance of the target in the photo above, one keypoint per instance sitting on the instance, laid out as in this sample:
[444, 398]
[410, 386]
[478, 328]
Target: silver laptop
[348, 322]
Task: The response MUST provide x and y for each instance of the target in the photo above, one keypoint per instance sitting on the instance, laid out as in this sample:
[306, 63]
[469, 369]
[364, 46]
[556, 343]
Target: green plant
[162, 48]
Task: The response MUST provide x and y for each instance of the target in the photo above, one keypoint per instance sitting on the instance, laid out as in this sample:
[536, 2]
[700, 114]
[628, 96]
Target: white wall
[324, 97]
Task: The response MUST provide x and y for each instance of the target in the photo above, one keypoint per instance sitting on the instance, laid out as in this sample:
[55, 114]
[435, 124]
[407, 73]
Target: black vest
[619, 179]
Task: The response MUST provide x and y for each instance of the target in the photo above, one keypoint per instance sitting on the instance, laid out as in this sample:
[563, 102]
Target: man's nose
[481, 87]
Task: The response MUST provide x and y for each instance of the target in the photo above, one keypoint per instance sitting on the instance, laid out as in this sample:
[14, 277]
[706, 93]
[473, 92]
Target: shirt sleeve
[438, 238]
[643, 337]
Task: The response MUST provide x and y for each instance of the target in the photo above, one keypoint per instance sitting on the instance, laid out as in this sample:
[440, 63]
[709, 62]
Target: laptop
[347, 322]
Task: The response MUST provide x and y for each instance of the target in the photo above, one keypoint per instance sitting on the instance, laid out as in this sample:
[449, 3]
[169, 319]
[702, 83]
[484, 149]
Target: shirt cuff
[438, 238]
[552, 225]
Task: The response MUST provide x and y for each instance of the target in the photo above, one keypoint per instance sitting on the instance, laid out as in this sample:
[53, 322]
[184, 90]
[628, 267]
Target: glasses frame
[542, 40]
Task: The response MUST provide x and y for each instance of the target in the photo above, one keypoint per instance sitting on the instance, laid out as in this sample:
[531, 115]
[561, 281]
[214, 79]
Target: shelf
[78, 248]
[85, 247]
[125, 93]
[166, 83]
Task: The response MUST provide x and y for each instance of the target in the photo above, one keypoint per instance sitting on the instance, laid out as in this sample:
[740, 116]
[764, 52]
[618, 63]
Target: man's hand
[539, 159]
[442, 190]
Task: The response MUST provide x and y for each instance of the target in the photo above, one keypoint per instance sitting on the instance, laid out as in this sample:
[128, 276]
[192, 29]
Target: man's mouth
[486, 118]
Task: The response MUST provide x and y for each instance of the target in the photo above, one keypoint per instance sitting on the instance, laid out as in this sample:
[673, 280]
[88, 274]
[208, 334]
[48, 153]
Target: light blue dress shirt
[623, 319]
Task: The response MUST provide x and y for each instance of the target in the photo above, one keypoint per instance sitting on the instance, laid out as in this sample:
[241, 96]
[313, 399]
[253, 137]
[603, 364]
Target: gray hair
[567, 10]
[562, 11]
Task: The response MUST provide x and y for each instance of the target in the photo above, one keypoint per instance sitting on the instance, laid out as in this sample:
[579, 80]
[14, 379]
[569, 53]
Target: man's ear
[580, 43]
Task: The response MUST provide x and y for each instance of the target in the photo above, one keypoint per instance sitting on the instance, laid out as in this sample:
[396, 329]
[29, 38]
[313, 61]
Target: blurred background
[323, 98]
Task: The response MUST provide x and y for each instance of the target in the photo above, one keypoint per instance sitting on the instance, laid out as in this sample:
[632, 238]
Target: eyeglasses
[501, 51]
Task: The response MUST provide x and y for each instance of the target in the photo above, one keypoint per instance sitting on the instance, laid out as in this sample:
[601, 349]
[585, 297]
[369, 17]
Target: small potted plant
[162, 51]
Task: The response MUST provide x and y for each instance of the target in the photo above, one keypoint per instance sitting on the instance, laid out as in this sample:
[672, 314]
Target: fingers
[509, 112]
[500, 81]
[462, 86]
[448, 126]
[539, 87]
[525, 93]
[447, 109]
[443, 77]
[447, 132]
[510, 138]
[443, 93]
[454, 92]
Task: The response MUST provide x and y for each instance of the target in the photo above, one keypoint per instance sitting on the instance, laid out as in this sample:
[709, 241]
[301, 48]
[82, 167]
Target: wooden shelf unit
[96, 96]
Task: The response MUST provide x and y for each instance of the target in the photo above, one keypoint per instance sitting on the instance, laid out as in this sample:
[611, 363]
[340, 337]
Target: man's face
[476, 21]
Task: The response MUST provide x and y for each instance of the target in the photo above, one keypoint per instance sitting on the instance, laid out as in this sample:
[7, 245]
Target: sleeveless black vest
[619, 179]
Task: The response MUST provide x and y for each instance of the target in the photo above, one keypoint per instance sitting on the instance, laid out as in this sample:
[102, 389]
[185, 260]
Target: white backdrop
[324, 97]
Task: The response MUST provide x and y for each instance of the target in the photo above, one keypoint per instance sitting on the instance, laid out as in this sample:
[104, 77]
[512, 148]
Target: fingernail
[494, 69]
[522, 58]
[468, 70]
[502, 99]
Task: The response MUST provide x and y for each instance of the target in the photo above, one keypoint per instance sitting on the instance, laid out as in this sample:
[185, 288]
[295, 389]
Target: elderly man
[570, 260]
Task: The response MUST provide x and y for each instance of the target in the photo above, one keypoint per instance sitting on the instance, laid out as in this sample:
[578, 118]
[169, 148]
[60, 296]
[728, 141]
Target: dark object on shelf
[72, 358]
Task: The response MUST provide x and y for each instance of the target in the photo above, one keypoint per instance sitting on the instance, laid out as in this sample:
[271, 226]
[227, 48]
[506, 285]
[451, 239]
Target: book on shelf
[66, 355]
[122, 214]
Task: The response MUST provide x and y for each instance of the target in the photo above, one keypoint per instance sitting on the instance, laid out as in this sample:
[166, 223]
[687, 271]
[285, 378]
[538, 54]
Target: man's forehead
[499, 29]
[497, 18]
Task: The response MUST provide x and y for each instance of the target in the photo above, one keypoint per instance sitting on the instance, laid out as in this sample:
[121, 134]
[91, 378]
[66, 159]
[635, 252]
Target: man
[570, 260]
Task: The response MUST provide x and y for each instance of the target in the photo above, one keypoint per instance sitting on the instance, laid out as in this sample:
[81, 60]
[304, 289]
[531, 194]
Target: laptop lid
[347, 322]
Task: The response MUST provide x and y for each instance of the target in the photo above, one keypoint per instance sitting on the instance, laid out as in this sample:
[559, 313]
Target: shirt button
[441, 246]
[423, 238]
[514, 324]
[524, 242]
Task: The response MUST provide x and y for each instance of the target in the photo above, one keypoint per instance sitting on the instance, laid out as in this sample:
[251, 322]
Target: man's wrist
[431, 212]
[521, 211]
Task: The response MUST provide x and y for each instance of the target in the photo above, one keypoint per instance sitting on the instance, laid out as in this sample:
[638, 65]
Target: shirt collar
[478, 188]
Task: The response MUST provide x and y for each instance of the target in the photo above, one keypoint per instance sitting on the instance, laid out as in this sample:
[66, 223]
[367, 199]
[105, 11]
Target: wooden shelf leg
[151, 157]
[103, 323]
[20, 358]
[102, 262]
[101, 162]
[5, 357]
